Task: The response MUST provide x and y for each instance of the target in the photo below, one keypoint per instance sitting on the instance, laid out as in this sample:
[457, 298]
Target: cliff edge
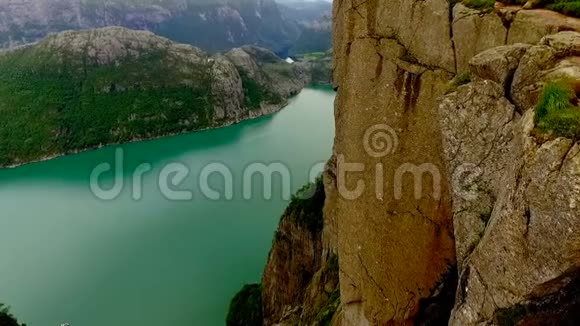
[452, 195]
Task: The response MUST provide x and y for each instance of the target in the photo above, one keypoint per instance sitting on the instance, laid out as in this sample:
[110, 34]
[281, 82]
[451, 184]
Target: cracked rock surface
[516, 213]
[393, 60]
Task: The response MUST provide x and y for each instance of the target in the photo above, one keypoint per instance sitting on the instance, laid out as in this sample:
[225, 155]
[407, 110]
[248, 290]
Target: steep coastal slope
[79, 90]
[452, 194]
[300, 282]
[209, 24]
[316, 36]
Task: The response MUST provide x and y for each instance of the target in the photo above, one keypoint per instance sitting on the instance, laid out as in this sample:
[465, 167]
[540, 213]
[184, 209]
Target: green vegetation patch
[307, 204]
[6, 318]
[326, 313]
[460, 79]
[53, 102]
[555, 113]
[314, 56]
[567, 7]
[483, 5]
[246, 307]
[515, 2]
[255, 94]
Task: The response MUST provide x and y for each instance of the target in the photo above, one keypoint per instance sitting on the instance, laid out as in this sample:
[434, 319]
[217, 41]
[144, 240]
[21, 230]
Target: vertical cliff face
[300, 282]
[393, 59]
[448, 199]
[400, 225]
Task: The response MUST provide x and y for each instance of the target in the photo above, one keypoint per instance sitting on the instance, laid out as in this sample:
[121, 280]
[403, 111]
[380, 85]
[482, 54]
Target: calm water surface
[67, 256]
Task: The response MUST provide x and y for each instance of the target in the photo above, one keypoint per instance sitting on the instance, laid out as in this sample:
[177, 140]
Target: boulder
[556, 58]
[566, 43]
[530, 26]
[474, 32]
[531, 239]
[476, 123]
[498, 64]
[528, 79]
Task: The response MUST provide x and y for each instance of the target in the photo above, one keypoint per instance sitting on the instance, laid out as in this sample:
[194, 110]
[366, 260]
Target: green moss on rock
[306, 206]
[460, 79]
[326, 314]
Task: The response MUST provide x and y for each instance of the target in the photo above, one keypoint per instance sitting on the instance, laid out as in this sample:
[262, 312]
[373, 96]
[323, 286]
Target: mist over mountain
[214, 25]
[305, 11]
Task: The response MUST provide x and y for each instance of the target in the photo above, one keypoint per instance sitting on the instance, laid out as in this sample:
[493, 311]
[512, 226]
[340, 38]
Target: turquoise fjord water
[66, 256]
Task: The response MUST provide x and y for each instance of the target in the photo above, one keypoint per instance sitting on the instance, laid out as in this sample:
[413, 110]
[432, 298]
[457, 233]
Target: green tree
[246, 307]
[6, 319]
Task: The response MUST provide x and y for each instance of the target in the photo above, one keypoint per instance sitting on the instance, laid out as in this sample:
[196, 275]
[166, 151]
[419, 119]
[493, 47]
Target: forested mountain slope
[79, 90]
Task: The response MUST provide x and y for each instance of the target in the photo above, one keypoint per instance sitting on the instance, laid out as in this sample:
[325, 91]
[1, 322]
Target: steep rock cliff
[445, 201]
[397, 244]
[300, 283]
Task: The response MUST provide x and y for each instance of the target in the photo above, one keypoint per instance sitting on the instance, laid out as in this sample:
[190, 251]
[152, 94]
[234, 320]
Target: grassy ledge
[557, 112]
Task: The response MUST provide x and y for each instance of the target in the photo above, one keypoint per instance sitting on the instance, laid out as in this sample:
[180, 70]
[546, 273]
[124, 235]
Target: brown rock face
[529, 26]
[300, 282]
[394, 246]
[393, 213]
[294, 259]
[474, 32]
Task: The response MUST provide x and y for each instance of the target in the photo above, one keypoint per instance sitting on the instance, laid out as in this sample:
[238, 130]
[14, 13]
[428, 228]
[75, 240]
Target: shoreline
[264, 111]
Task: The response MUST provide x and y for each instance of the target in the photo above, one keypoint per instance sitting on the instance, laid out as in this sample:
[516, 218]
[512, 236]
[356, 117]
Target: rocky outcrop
[442, 203]
[300, 284]
[498, 64]
[556, 57]
[529, 26]
[474, 32]
[265, 67]
[400, 224]
[394, 246]
[515, 197]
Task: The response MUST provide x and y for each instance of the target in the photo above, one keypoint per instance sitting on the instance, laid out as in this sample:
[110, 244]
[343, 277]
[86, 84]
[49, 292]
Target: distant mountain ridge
[214, 25]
